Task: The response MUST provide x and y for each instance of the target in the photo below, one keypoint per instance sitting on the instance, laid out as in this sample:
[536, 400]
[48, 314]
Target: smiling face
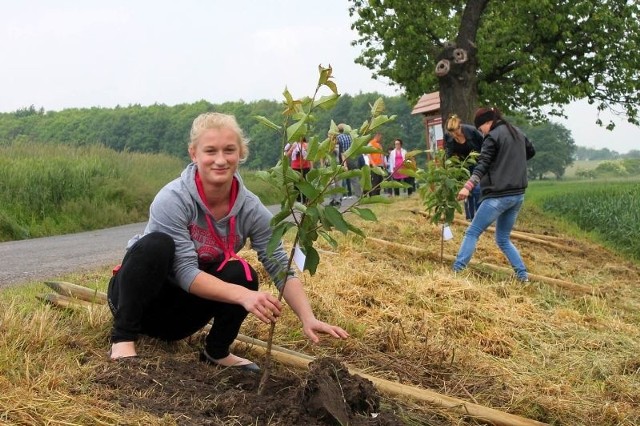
[216, 153]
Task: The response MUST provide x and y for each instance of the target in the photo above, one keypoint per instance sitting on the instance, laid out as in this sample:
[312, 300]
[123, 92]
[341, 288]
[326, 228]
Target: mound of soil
[192, 393]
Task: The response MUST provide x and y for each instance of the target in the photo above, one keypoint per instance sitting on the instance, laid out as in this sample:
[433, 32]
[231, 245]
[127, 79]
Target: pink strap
[227, 249]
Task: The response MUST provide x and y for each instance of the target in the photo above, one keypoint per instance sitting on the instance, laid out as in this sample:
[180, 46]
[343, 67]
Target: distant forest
[165, 129]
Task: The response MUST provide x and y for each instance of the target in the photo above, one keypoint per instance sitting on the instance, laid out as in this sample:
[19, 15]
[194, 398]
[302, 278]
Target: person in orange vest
[297, 152]
[376, 159]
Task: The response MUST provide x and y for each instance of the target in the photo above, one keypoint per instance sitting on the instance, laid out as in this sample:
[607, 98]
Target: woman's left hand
[315, 326]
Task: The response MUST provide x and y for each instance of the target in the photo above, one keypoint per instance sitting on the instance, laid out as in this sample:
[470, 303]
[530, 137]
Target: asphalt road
[41, 259]
[47, 258]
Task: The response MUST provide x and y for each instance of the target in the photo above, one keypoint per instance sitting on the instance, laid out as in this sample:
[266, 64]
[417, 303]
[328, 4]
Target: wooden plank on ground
[566, 285]
[77, 291]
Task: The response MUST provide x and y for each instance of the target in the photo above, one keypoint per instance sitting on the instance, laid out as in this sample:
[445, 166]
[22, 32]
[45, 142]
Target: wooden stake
[544, 240]
[77, 291]
[65, 301]
[566, 285]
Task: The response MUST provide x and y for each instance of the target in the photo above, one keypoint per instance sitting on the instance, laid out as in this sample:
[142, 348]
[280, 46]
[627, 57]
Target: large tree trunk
[458, 64]
[458, 83]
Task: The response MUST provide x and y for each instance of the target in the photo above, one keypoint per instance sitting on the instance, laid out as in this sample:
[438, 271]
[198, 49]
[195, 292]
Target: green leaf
[327, 102]
[366, 214]
[279, 217]
[308, 190]
[380, 120]
[393, 184]
[325, 74]
[297, 130]
[364, 129]
[356, 230]
[278, 232]
[368, 150]
[408, 171]
[267, 122]
[365, 179]
[335, 218]
[414, 153]
[378, 107]
[376, 199]
[328, 238]
[348, 174]
[312, 149]
[379, 171]
[332, 86]
[312, 259]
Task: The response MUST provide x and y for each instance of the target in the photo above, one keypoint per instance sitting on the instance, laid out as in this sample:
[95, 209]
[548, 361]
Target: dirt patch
[188, 392]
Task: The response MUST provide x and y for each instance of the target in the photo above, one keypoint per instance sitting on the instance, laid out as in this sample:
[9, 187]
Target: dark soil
[193, 393]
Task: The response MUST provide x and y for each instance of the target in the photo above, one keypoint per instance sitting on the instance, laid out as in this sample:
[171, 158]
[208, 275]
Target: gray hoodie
[178, 211]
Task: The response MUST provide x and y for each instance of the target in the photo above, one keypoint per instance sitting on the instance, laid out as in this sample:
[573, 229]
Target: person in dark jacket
[501, 172]
[460, 140]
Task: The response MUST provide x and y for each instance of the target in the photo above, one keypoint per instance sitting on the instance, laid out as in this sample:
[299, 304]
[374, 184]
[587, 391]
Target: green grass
[58, 189]
[608, 210]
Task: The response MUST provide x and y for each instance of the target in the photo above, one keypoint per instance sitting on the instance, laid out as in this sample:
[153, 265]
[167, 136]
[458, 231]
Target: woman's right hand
[266, 307]
[463, 194]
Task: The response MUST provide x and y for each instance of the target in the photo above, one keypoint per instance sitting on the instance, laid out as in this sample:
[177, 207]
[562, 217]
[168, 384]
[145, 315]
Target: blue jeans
[503, 211]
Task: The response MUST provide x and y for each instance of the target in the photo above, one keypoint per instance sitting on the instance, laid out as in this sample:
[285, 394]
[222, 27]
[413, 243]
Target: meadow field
[52, 189]
[606, 210]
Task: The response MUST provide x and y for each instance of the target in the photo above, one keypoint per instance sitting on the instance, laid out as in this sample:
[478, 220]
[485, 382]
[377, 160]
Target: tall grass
[609, 210]
[57, 189]
[50, 189]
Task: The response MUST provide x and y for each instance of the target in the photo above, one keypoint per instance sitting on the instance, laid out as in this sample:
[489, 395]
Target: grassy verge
[58, 189]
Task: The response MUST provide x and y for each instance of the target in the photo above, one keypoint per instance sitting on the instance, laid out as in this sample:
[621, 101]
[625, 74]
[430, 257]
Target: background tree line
[592, 154]
[165, 129]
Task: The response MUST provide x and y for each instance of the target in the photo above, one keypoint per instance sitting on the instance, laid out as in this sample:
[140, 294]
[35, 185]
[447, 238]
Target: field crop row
[610, 210]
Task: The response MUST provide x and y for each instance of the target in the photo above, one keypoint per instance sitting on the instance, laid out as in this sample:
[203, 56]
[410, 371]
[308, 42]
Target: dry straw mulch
[531, 350]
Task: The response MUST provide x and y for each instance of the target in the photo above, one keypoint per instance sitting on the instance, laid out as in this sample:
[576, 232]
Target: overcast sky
[78, 54]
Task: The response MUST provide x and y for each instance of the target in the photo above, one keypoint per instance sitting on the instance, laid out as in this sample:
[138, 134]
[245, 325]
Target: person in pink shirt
[397, 158]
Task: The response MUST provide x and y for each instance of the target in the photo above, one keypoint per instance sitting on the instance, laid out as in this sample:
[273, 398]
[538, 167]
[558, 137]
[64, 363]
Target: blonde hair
[453, 123]
[216, 120]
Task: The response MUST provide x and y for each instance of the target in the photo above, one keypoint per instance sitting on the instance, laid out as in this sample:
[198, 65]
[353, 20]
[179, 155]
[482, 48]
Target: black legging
[145, 300]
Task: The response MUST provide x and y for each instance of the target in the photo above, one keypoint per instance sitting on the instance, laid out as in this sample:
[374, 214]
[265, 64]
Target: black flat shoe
[251, 367]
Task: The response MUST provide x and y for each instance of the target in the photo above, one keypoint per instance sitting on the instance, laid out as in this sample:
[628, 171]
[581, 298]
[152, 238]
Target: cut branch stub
[460, 56]
[442, 67]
